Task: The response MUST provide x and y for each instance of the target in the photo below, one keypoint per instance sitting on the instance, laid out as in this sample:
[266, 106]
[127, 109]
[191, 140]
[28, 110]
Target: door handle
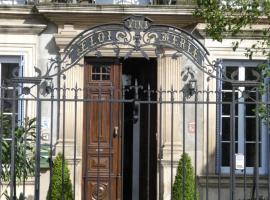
[115, 131]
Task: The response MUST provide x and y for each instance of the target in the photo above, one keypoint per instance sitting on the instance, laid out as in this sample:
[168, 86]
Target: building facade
[95, 45]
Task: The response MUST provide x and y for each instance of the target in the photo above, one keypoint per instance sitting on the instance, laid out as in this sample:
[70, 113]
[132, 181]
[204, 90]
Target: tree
[56, 182]
[24, 135]
[184, 172]
[230, 18]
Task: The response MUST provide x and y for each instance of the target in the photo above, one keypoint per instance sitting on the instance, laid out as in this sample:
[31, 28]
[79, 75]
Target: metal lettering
[140, 24]
[137, 24]
[83, 45]
[164, 37]
[182, 43]
[82, 48]
[101, 37]
[146, 25]
[120, 36]
[188, 48]
[130, 23]
[92, 43]
[195, 53]
[174, 39]
[109, 36]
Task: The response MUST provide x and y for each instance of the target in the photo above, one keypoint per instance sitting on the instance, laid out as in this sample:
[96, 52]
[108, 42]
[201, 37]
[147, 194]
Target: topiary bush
[189, 184]
[56, 182]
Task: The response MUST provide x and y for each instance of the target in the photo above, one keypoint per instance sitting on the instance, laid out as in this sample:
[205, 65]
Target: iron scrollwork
[137, 33]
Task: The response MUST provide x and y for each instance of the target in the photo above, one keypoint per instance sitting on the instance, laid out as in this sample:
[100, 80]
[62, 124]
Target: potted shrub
[184, 168]
[56, 182]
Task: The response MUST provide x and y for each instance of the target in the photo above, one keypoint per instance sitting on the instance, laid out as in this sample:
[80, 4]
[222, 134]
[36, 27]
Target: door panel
[102, 148]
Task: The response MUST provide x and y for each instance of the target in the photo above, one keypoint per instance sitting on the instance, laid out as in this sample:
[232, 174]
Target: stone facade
[41, 32]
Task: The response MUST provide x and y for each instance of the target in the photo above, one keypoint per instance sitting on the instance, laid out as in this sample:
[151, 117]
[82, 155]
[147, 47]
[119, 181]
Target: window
[245, 118]
[100, 72]
[9, 66]
[13, 2]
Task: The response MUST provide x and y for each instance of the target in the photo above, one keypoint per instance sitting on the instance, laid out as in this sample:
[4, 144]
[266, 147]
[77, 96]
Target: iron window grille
[244, 119]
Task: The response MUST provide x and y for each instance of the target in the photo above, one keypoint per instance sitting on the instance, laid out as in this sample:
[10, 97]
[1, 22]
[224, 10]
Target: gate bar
[160, 145]
[12, 167]
[38, 138]
[136, 146]
[148, 140]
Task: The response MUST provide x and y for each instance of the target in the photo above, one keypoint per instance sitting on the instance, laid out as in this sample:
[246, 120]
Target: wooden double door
[102, 131]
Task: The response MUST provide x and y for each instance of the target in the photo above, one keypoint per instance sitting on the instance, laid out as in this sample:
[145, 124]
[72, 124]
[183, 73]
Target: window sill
[213, 180]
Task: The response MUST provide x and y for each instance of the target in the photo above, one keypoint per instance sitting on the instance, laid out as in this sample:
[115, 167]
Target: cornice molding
[16, 9]
[117, 9]
[22, 29]
[253, 32]
[87, 16]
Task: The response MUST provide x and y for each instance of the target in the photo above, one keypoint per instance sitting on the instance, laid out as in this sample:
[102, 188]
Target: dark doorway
[145, 72]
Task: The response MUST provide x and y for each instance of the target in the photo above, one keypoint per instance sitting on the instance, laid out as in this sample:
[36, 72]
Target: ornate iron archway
[135, 33]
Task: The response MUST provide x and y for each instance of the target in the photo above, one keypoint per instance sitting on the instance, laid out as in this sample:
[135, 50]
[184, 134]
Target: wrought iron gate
[169, 123]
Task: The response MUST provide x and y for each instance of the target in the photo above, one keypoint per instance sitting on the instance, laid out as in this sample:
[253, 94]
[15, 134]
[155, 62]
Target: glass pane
[251, 154]
[8, 96]
[230, 71]
[101, 72]
[251, 96]
[226, 154]
[95, 69]
[7, 70]
[96, 77]
[236, 129]
[250, 129]
[226, 109]
[227, 97]
[106, 69]
[226, 128]
[105, 77]
[250, 73]
[250, 109]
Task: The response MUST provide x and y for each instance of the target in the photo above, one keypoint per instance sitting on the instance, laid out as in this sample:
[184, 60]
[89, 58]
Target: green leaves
[56, 182]
[227, 18]
[24, 148]
[184, 169]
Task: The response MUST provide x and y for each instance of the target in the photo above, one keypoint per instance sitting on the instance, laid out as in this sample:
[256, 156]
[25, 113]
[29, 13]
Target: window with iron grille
[10, 66]
[245, 121]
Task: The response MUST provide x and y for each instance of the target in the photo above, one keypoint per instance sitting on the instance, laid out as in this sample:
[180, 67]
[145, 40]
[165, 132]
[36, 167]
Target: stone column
[74, 77]
[169, 78]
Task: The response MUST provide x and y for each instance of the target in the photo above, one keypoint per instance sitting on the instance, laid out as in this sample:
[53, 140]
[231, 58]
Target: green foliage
[56, 182]
[185, 173]
[230, 18]
[24, 148]
[231, 15]
[24, 135]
